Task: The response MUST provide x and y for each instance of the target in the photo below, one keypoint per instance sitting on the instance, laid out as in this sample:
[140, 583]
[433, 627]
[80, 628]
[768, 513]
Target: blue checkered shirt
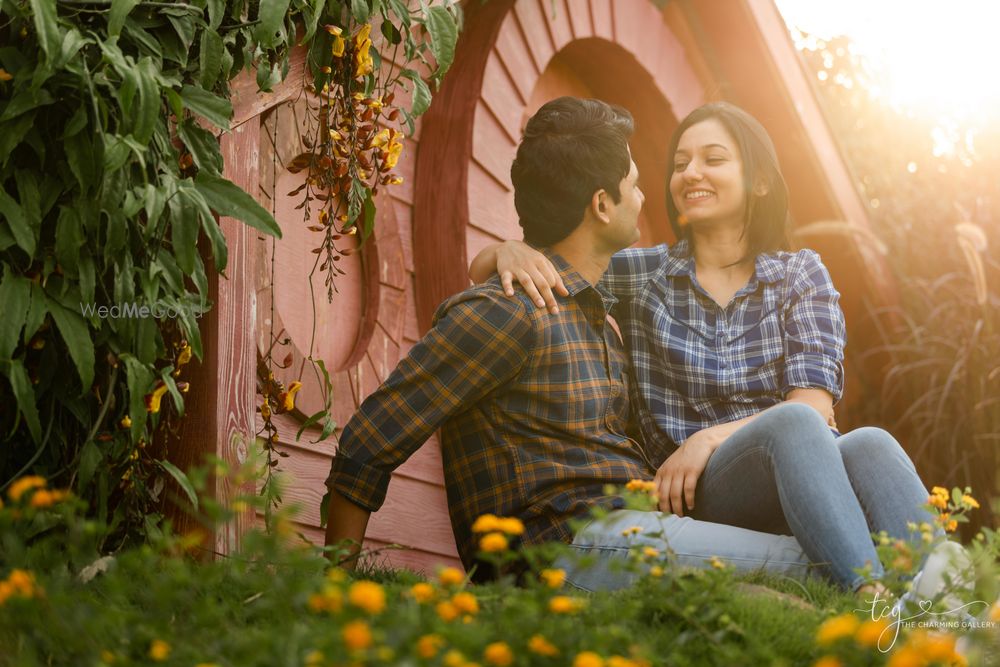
[698, 364]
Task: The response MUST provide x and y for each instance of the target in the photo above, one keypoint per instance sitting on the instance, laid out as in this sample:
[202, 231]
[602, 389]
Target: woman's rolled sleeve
[815, 333]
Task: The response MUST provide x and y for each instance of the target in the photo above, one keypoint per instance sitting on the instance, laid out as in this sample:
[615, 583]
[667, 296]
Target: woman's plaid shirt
[698, 364]
[533, 408]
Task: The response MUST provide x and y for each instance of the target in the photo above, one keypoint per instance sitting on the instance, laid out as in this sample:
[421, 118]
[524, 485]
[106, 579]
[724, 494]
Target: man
[534, 407]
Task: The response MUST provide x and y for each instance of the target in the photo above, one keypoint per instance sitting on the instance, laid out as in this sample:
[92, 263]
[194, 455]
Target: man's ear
[599, 205]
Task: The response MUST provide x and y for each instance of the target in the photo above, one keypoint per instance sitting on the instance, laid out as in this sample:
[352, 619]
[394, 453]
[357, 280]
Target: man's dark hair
[571, 148]
[766, 225]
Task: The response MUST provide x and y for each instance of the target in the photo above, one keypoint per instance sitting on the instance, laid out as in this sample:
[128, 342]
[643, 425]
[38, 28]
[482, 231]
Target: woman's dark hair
[571, 148]
[766, 226]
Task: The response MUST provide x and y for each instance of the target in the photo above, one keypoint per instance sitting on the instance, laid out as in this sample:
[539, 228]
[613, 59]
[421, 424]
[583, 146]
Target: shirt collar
[574, 282]
[768, 268]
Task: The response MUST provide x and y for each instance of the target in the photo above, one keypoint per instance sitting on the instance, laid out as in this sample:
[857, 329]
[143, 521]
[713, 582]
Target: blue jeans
[783, 473]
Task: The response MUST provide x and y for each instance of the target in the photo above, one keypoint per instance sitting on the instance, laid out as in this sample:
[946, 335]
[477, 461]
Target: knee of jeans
[869, 444]
[795, 425]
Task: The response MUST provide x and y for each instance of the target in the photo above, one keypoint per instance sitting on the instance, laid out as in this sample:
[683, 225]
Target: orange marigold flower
[499, 654]
[22, 582]
[422, 592]
[620, 661]
[510, 525]
[453, 658]
[563, 604]
[367, 595]
[450, 576]
[870, 632]
[429, 645]
[465, 602]
[487, 523]
[553, 578]
[493, 542]
[838, 627]
[447, 611]
[23, 485]
[906, 656]
[357, 635]
[828, 661]
[588, 659]
[159, 650]
[43, 498]
[154, 397]
[541, 646]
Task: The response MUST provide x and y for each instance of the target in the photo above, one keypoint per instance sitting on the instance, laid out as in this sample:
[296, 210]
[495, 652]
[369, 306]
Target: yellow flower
[23, 485]
[184, 356]
[381, 139]
[393, 152]
[588, 659]
[828, 661]
[450, 576]
[153, 398]
[969, 501]
[493, 542]
[620, 661]
[563, 604]
[126, 422]
[447, 611]
[906, 656]
[995, 613]
[510, 525]
[717, 563]
[429, 645]
[22, 582]
[656, 571]
[837, 628]
[357, 635]
[422, 592]
[315, 659]
[43, 498]
[465, 602]
[362, 46]
[287, 399]
[486, 523]
[632, 530]
[934, 646]
[159, 650]
[367, 595]
[5, 75]
[453, 658]
[650, 552]
[939, 497]
[498, 653]
[553, 578]
[107, 657]
[641, 485]
[541, 646]
[870, 631]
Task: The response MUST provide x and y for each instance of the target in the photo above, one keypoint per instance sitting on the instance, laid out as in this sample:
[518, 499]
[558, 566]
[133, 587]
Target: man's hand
[677, 478]
[345, 521]
[533, 270]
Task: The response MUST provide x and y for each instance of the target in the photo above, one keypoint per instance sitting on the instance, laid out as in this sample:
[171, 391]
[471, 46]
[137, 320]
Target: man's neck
[580, 253]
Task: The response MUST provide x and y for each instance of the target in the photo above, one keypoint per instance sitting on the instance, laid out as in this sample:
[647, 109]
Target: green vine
[111, 179]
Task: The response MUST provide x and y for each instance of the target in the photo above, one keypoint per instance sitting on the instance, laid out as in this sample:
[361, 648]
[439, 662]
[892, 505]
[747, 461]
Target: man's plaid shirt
[698, 364]
[533, 408]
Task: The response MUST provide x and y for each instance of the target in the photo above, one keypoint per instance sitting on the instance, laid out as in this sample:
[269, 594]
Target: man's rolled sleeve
[479, 341]
[815, 333]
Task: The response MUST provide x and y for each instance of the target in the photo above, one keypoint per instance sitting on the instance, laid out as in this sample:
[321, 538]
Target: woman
[736, 346]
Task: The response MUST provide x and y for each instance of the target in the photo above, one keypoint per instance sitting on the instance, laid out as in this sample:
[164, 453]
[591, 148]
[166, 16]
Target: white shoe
[946, 572]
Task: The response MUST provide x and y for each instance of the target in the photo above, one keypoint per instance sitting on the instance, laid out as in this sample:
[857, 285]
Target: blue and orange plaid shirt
[533, 408]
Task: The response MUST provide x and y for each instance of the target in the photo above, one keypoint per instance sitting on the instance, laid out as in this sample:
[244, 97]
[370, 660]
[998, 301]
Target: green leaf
[182, 481]
[368, 223]
[421, 93]
[140, 381]
[150, 101]
[202, 144]
[37, 310]
[225, 198]
[76, 334]
[47, 26]
[90, 460]
[210, 58]
[80, 158]
[391, 32]
[444, 35]
[11, 135]
[77, 122]
[19, 225]
[25, 395]
[216, 12]
[184, 231]
[360, 10]
[401, 11]
[72, 42]
[214, 109]
[271, 27]
[25, 100]
[212, 230]
[184, 26]
[15, 295]
[120, 10]
[69, 238]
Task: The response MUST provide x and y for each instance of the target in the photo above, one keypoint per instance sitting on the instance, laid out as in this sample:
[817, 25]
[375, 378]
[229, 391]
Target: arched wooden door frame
[505, 49]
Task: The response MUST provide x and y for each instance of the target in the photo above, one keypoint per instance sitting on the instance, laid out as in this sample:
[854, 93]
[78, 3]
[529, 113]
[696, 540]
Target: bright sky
[941, 57]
